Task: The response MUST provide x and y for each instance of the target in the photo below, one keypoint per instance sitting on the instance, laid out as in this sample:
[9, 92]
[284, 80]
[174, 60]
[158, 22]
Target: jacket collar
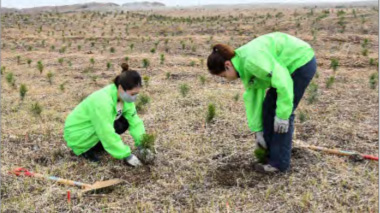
[113, 91]
[237, 63]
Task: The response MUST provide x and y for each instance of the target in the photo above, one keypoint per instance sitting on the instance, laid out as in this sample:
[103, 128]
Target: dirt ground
[199, 167]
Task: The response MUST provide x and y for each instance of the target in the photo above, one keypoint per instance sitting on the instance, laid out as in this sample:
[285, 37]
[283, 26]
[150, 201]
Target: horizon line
[316, 2]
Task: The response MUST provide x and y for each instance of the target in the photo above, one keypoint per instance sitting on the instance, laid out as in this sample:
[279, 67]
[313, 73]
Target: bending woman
[275, 69]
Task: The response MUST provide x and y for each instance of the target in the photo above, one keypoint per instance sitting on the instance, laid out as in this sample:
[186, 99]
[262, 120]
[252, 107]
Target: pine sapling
[373, 79]
[330, 82]
[10, 79]
[3, 70]
[23, 91]
[50, 75]
[162, 59]
[210, 113]
[202, 79]
[29, 61]
[302, 116]
[36, 109]
[60, 61]
[261, 154]
[62, 50]
[92, 61]
[334, 64]
[146, 80]
[40, 66]
[147, 143]
[313, 93]
[141, 102]
[365, 52]
[62, 87]
[372, 62]
[146, 63]
[184, 89]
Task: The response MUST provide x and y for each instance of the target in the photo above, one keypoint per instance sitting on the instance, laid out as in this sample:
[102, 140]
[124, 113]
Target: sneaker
[265, 168]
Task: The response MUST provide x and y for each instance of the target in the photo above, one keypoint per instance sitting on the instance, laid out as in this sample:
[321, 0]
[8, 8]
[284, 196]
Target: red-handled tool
[86, 187]
[337, 151]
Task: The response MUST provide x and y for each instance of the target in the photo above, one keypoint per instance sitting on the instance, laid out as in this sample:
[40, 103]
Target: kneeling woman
[275, 69]
[96, 123]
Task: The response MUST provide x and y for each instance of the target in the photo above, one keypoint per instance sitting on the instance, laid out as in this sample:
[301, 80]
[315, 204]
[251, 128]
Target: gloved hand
[146, 155]
[133, 161]
[280, 125]
[260, 141]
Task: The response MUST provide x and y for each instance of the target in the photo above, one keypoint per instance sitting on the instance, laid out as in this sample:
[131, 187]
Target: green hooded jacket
[93, 121]
[265, 62]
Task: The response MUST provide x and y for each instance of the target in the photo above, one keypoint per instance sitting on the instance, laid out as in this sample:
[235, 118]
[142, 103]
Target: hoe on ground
[354, 155]
[85, 187]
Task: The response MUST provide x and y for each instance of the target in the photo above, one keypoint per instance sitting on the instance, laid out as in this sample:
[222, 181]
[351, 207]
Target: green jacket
[92, 121]
[265, 62]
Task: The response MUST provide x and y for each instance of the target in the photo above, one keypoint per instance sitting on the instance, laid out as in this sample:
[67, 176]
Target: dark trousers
[121, 125]
[280, 145]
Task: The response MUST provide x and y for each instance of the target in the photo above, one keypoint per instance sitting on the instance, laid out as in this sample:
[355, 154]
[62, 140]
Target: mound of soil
[237, 171]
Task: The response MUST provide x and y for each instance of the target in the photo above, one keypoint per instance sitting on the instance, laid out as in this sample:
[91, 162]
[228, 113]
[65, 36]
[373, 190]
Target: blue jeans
[280, 145]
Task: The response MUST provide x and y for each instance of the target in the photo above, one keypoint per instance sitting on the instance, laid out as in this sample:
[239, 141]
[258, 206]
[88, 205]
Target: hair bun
[125, 67]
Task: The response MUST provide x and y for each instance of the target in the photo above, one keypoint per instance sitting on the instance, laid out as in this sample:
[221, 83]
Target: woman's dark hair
[220, 54]
[128, 79]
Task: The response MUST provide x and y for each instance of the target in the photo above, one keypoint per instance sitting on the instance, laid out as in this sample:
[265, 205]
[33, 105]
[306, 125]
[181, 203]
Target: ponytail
[124, 67]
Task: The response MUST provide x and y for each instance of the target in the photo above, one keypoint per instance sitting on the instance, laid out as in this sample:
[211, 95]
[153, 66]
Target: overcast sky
[36, 3]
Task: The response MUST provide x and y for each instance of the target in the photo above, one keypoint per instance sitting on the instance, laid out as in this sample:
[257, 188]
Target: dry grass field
[50, 62]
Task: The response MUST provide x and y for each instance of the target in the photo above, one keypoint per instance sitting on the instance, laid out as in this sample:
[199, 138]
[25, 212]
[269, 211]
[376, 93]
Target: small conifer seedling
[40, 66]
[50, 77]
[260, 154]
[147, 145]
[184, 89]
[210, 113]
[36, 109]
[23, 91]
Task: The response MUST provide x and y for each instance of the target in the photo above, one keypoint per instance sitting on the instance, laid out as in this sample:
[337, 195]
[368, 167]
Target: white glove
[132, 160]
[260, 141]
[281, 126]
[146, 155]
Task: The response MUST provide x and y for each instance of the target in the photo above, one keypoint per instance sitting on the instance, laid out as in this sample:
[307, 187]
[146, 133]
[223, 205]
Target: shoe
[265, 168]
[90, 156]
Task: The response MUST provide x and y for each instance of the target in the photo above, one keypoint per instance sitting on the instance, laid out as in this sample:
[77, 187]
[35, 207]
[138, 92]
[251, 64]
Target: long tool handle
[339, 152]
[67, 182]
[25, 172]
[332, 151]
